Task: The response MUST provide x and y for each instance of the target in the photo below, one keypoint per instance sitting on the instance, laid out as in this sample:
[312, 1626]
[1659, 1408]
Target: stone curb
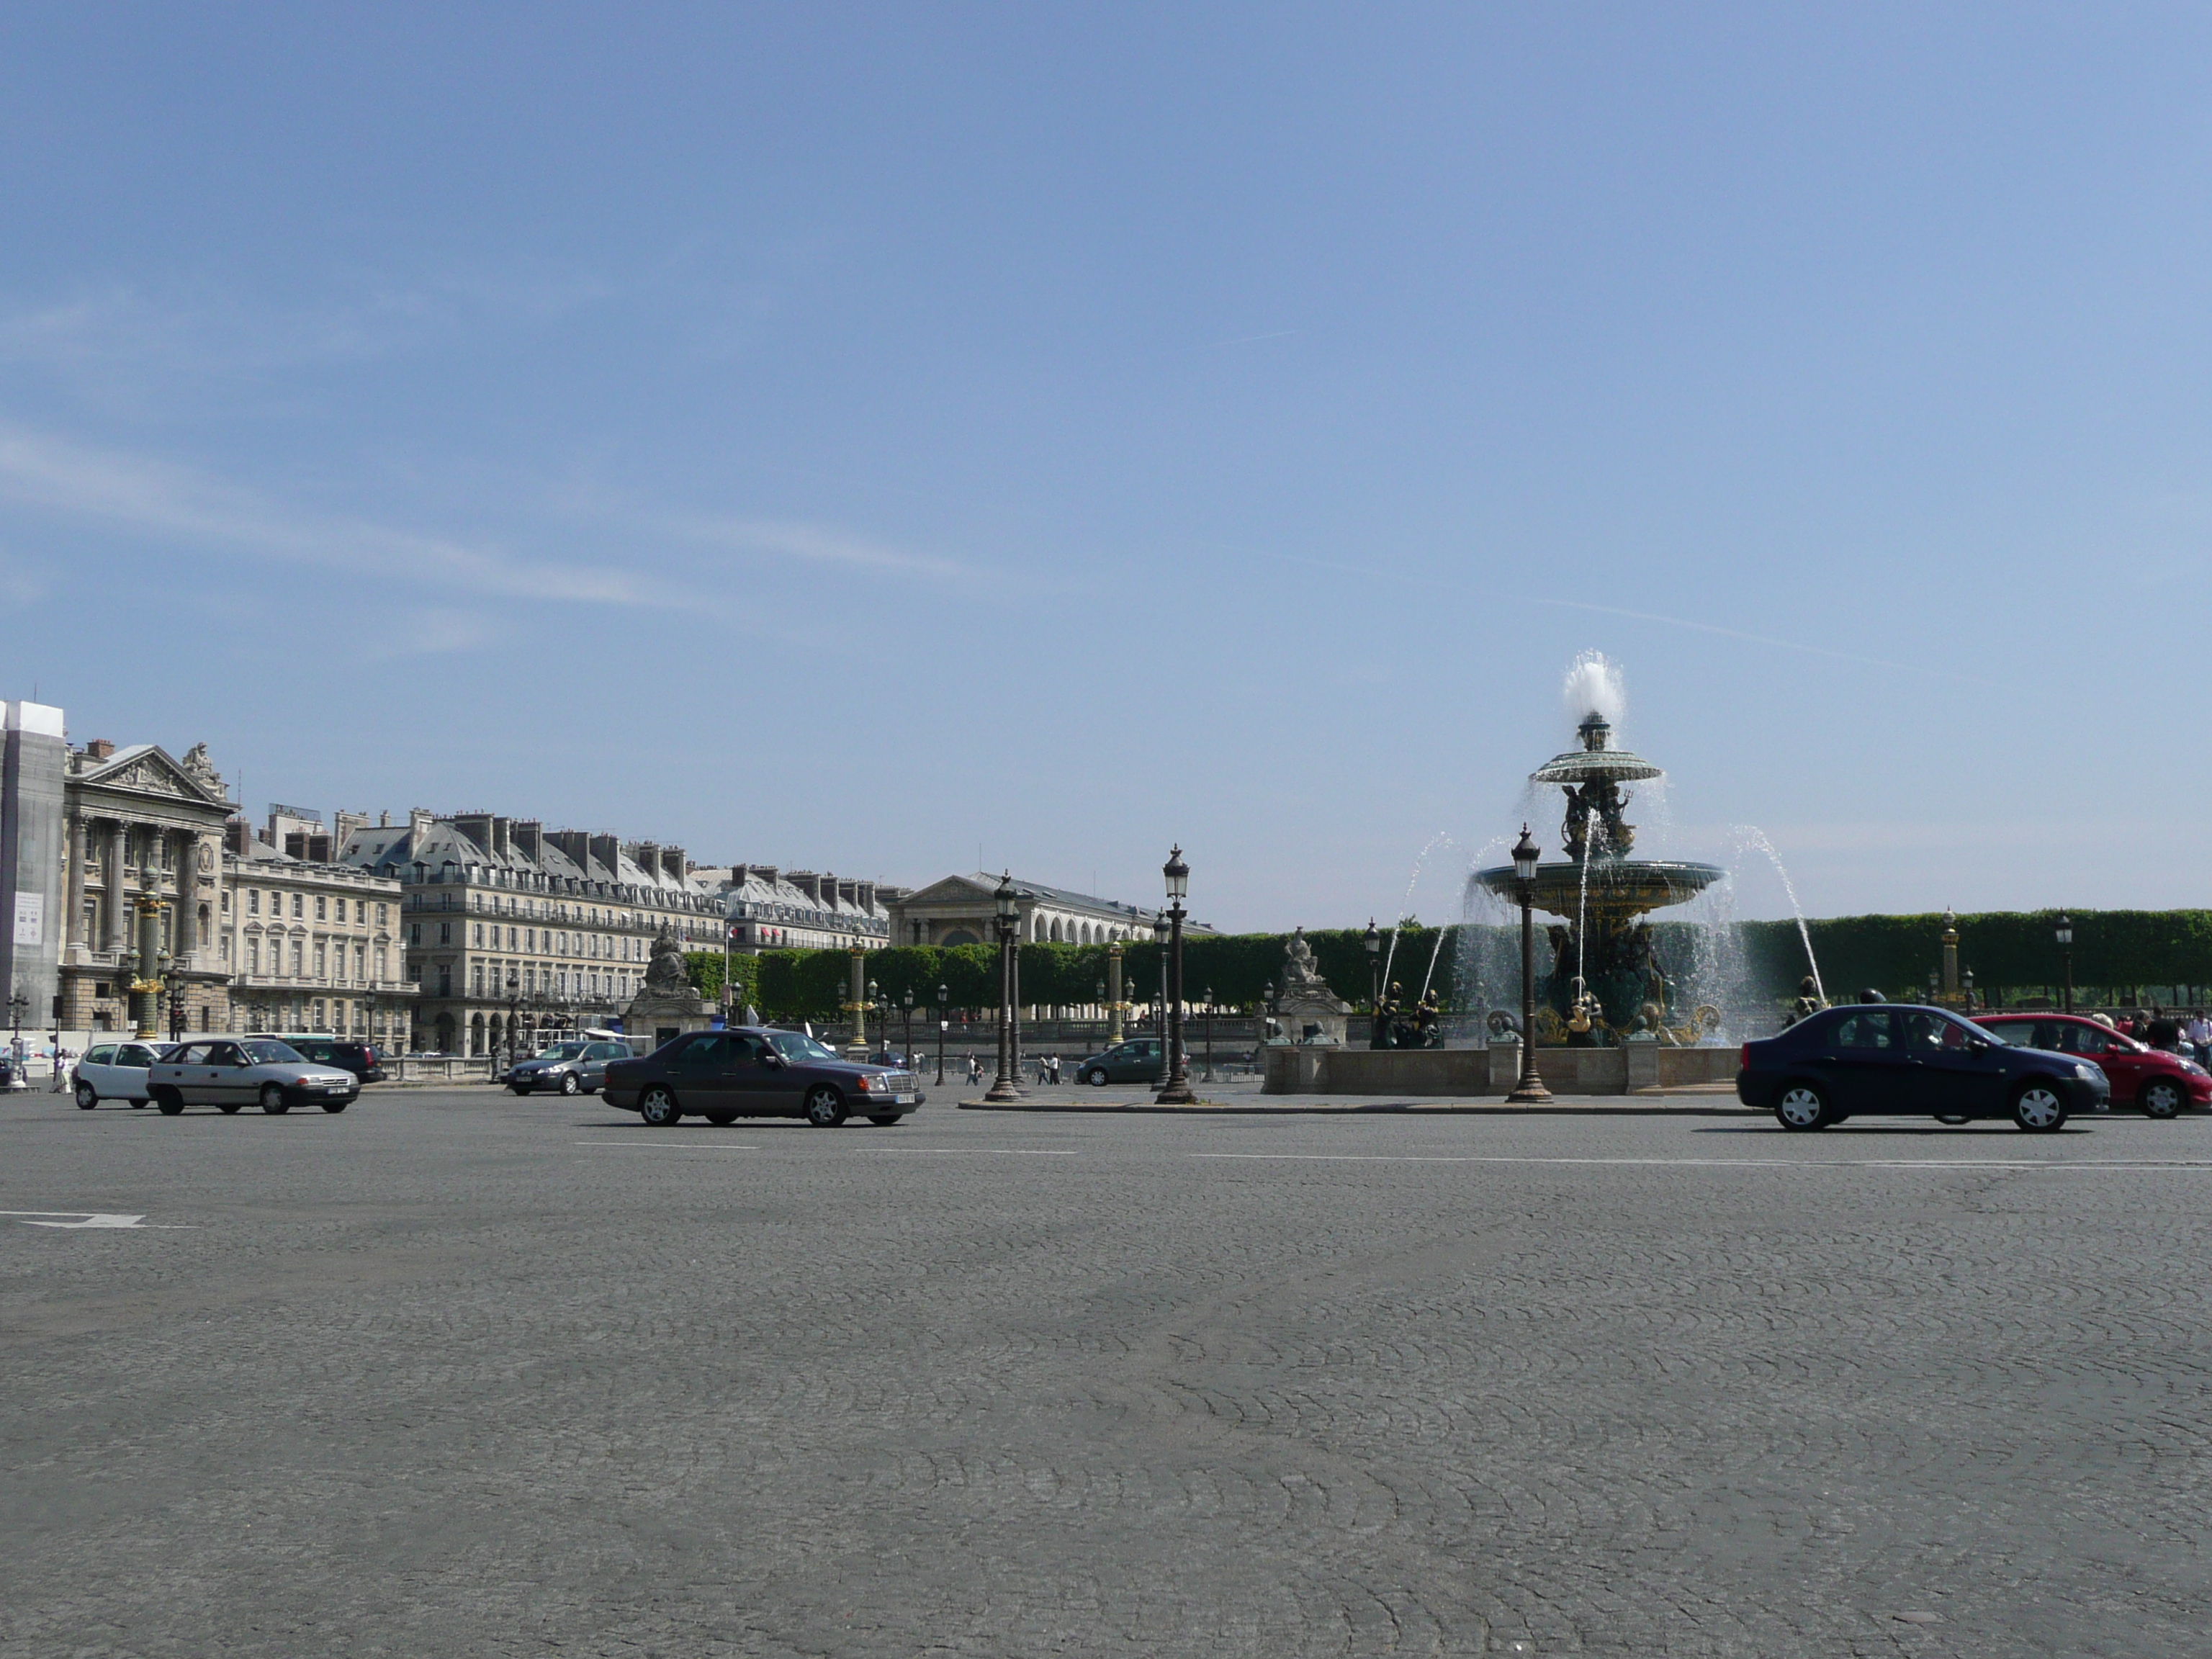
[1613, 1105]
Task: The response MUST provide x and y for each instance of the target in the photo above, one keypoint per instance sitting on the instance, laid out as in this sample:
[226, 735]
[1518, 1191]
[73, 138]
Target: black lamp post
[1966, 988]
[514, 1006]
[1207, 994]
[2066, 958]
[1160, 999]
[16, 1005]
[1530, 1088]
[1178, 1092]
[176, 1006]
[1373, 968]
[1003, 1087]
[944, 1023]
[907, 1041]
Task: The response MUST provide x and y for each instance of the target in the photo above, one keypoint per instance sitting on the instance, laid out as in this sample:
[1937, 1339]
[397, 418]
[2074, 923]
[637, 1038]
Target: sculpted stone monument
[669, 1005]
[1307, 1010]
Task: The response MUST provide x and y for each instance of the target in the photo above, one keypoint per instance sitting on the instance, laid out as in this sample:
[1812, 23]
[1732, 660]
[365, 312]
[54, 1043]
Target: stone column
[116, 935]
[74, 924]
[188, 896]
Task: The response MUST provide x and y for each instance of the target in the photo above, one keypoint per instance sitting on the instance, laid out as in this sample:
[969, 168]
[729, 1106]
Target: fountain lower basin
[1618, 887]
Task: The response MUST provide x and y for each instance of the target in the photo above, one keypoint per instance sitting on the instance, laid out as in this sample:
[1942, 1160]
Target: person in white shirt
[2198, 1035]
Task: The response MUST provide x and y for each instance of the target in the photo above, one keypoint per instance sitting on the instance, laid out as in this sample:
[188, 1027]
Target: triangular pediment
[149, 769]
[954, 889]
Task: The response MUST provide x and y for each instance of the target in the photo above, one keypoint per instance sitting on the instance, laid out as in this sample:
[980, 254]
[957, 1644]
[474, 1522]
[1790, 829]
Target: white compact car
[228, 1072]
[117, 1071]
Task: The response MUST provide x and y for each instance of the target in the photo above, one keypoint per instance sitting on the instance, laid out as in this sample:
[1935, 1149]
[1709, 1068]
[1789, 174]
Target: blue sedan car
[1903, 1059]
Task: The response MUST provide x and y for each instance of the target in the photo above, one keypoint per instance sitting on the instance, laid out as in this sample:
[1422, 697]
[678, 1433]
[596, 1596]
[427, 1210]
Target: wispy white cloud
[817, 544]
[421, 633]
[158, 497]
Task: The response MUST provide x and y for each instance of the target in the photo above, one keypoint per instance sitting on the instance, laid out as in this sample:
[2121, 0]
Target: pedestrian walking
[1054, 1062]
[2199, 1033]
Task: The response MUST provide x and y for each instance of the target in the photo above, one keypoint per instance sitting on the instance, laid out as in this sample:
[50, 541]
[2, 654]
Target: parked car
[1905, 1060]
[358, 1058]
[1137, 1061]
[117, 1071]
[228, 1072]
[756, 1071]
[571, 1069]
[2160, 1083]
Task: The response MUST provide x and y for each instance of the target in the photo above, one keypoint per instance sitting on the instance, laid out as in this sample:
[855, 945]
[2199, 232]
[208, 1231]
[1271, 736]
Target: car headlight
[2087, 1073]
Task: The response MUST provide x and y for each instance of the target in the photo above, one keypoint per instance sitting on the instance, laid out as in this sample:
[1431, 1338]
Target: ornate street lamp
[1116, 1006]
[1966, 986]
[513, 1004]
[16, 1005]
[1003, 1087]
[2066, 957]
[944, 1024]
[907, 1042]
[1374, 942]
[1530, 1089]
[1177, 1092]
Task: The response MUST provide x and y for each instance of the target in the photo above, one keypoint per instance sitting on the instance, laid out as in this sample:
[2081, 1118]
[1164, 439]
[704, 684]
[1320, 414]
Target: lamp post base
[1175, 1094]
[1004, 1091]
[1529, 1091]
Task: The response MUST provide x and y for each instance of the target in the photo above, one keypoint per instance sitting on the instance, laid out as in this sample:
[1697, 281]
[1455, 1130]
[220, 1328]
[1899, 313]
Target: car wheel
[2161, 1097]
[658, 1108]
[1096, 1077]
[886, 1119]
[273, 1101]
[86, 1096]
[1954, 1119]
[720, 1118]
[825, 1107]
[570, 1084]
[170, 1102]
[2039, 1110]
[1801, 1106]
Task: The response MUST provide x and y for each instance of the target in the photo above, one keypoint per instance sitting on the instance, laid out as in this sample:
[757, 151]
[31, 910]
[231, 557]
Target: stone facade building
[772, 909]
[311, 944]
[138, 818]
[964, 910]
[506, 924]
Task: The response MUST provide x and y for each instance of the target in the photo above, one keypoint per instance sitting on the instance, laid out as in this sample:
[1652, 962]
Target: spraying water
[1750, 836]
[1441, 838]
[1592, 686]
[1435, 952]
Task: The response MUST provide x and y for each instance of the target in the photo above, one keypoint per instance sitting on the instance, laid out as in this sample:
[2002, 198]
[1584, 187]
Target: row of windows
[276, 956]
[299, 906]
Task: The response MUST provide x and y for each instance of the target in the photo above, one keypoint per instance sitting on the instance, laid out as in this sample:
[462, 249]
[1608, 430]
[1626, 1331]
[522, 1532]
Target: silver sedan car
[569, 1067]
[228, 1072]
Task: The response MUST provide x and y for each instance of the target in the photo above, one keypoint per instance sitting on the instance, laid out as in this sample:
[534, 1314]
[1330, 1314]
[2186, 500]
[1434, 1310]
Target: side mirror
[773, 1061]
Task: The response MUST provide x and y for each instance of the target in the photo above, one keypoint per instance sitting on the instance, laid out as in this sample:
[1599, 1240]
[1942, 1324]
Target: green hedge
[2116, 953]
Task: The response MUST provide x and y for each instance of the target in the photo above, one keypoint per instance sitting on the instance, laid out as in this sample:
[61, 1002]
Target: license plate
[904, 1100]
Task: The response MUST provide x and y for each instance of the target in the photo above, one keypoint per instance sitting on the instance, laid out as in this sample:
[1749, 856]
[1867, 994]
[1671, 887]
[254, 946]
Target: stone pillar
[74, 936]
[187, 932]
[116, 935]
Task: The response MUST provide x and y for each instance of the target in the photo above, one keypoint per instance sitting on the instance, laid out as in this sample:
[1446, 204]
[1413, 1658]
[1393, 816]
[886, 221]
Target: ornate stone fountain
[1602, 894]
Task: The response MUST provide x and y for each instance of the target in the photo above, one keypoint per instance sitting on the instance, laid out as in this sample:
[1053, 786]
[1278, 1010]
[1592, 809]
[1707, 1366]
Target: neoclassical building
[311, 944]
[139, 819]
[963, 910]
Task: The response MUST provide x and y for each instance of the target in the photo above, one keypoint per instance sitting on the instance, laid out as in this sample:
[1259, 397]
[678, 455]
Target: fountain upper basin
[1618, 887]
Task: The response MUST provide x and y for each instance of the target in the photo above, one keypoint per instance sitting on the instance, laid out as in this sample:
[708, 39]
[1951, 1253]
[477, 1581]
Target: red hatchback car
[2160, 1083]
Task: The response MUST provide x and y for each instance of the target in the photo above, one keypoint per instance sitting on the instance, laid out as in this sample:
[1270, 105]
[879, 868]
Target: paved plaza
[464, 1373]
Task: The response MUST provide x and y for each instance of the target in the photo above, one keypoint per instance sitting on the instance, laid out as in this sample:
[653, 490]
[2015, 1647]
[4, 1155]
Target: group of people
[1047, 1068]
[2161, 1029]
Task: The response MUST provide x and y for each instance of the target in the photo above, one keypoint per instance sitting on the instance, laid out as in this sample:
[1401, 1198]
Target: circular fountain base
[1618, 887]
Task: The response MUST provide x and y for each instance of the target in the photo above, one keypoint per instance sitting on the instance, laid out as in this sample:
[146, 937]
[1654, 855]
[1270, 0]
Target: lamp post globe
[1531, 1087]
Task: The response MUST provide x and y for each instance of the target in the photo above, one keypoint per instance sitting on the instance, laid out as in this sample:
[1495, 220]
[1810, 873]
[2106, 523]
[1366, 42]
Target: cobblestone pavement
[464, 1373]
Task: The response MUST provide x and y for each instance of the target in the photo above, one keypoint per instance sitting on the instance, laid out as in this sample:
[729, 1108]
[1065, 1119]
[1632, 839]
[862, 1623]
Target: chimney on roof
[522, 837]
[384, 820]
[502, 837]
[476, 826]
[809, 884]
[671, 863]
[234, 834]
[419, 820]
[864, 895]
[606, 850]
[100, 749]
[649, 859]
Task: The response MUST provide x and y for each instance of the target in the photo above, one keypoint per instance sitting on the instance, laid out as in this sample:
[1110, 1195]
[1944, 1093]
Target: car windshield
[797, 1046]
[270, 1053]
[562, 1051]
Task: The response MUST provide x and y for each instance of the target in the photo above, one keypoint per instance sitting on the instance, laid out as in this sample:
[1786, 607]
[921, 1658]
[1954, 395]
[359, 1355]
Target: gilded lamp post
[856, 1003]
[146, 990]
[1003, 1087]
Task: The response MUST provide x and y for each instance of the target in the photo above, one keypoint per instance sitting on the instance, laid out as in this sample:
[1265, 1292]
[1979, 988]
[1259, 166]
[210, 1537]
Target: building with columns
[137, 819]
[963, 910]
[311, 944]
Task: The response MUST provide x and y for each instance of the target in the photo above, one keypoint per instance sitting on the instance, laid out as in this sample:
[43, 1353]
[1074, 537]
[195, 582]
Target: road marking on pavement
[81, 1218]
[673, 1145]
[973, 1151]
[1729, 1163]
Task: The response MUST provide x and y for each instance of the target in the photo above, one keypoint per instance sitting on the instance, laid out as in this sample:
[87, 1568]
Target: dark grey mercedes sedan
[756, 1071]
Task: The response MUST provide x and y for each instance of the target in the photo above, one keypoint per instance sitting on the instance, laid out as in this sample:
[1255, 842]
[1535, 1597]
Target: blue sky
[857, 436]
